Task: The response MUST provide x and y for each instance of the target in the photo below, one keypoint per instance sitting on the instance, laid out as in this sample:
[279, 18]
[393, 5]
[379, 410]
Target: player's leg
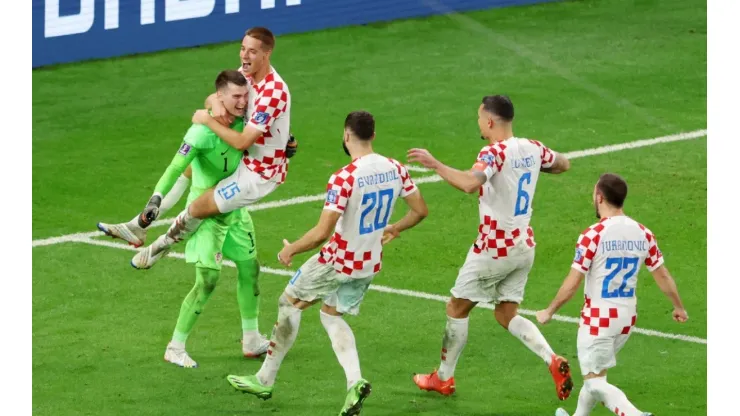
[310, 282]
[596, 355]
[240, 189]
[134, 231]
[466, 293]
[191, 308]
[508, 295]
[347, 299]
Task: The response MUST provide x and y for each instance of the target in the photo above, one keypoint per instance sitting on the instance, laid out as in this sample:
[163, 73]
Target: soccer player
[497, 265]
[608, 255]
[264, 138]
[360, 200]
[228, 235]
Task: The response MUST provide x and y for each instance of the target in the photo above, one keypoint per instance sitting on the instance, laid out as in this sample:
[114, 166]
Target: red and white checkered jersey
[512, 167]
[611, 253]
[364, 192]
[268, 111]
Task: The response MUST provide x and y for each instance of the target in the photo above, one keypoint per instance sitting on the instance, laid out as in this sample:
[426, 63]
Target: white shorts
[597, 353]
[241, 188]
[485, 279]
[321, 281]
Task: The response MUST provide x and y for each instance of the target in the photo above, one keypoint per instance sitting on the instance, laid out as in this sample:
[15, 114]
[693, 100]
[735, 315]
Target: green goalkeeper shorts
[228, 235]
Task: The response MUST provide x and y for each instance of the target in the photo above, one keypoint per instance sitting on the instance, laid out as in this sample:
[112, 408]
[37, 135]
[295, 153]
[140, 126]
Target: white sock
[612, 398]
[343, 343]
[586, 402]
[183, 225]
[284, 334]
[174, 195]
[530, 335]
[456, 336]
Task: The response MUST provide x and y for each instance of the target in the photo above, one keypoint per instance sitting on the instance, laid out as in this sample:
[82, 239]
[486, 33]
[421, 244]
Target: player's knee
[459, 308]
[209, 279]
[505, 312]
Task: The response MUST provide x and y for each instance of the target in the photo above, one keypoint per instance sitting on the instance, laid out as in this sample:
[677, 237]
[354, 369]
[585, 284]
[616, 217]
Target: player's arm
[565, 293]
[238, 140]
[179, 164]
[312, 239]
[560, 165]
[667, 285]
[467, 181]
[417, 212]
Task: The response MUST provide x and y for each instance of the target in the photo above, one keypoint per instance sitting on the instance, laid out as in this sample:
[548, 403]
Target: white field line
[404, 292]
[426, 179]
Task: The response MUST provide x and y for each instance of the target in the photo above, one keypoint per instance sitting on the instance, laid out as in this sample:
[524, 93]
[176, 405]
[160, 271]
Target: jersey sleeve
[408, 186]
[271, 103]
[198, 136]
[547, 155]
[654, 257]
[489, 161]
[177, 166]
[586, 247]
[338, 190]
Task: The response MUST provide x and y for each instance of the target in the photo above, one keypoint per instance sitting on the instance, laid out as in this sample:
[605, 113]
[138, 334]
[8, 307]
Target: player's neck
[360, 152]
[260, 75]
[608, 212]
[499, 136]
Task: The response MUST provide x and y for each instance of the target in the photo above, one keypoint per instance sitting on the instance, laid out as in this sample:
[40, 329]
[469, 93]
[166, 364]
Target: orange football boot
[560, 370]
[431, 382]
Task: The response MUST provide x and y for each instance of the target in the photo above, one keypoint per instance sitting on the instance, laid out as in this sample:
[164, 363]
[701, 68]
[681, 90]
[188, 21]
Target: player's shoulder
[400, 166]
[345, 172]
[200, 136]
[274, 81]
[596, 229]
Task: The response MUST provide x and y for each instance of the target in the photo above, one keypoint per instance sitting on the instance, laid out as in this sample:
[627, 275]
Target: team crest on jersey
[219, 257]
[261, 117]
[579, 255]
[332, 196]
[184, 149]
[488, 159]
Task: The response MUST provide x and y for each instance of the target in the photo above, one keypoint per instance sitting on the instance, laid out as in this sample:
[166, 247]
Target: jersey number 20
[616, 265]
[376, 201]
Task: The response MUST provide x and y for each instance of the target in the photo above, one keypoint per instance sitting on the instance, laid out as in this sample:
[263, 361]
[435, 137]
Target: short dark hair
[230, 76]
[614, 189]
[361, 123]
[264, 35]
[499, 105]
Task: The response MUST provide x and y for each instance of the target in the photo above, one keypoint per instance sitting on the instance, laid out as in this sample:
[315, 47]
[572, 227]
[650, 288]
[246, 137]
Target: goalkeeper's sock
[247, 295]
[174, 195]
[456, 336]
[284, 334]
[530, 335]
[343, 343]
[192, 306]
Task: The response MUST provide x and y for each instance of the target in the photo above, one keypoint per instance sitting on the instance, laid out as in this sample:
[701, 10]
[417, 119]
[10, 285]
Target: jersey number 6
[522, 196]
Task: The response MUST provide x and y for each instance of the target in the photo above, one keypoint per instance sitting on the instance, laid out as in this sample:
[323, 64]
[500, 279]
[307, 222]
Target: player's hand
[201, 117]
[292, 147]
[285, 256]
[220, 114]
[423, 157]
[543, 316]
[389, 233]
[680, 315]
[150, 212]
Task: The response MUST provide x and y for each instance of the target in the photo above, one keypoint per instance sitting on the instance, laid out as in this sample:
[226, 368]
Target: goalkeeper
[229, 235]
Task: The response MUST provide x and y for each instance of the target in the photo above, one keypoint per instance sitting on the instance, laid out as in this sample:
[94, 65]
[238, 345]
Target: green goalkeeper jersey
[211, 158]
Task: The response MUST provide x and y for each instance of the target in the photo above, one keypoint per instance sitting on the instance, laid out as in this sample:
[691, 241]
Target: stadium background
[582, 74]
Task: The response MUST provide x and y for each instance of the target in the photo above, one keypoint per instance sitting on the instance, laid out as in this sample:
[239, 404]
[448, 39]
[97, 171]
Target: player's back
[611, 252]
[505, 203]
[365, 192]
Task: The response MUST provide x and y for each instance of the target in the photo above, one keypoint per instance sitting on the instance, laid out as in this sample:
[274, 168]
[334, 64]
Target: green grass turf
[581, 74]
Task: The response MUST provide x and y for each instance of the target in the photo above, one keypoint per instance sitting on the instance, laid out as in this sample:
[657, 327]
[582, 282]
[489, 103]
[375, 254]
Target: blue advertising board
[75, 30]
